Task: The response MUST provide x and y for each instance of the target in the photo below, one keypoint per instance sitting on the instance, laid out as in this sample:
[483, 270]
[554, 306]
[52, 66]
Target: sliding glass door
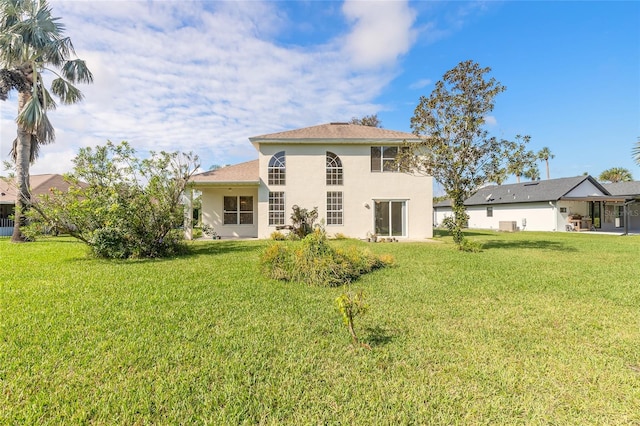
[390, 218]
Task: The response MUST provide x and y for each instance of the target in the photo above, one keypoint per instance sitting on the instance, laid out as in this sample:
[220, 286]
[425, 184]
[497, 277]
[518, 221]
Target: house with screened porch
[349, 172]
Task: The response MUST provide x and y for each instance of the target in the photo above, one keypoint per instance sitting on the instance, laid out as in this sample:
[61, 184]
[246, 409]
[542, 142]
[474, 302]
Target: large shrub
[119, 205]
[313, 261]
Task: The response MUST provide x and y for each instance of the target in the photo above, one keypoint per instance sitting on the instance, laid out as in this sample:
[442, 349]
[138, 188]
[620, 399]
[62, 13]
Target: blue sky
[205, 76]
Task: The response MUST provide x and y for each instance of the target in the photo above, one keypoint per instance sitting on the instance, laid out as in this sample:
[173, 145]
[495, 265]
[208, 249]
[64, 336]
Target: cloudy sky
[204, 76]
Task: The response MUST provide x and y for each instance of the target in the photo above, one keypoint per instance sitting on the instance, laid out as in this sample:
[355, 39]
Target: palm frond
[636, 152]
[77, 71]
[34, 150]
[68, 93]
[33, 118]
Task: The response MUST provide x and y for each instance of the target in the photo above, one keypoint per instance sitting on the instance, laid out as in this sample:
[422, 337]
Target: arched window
[334, 169]
[276, 169]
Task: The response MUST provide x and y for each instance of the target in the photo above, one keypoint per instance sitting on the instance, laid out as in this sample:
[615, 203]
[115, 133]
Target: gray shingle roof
[623, 188]
[527, 192]
[336, 132]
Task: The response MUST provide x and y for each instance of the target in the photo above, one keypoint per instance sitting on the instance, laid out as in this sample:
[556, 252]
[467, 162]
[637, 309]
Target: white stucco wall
[212, 210]
[440, 213]
[306, 186]
[528, 216]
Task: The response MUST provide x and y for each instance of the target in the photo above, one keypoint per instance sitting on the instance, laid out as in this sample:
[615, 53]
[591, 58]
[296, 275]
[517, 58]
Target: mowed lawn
[539, 328]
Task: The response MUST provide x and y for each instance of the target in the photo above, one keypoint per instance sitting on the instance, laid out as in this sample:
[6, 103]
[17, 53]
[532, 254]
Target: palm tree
[616, 174]
[32, 44]
[523, 163]
[545, 154]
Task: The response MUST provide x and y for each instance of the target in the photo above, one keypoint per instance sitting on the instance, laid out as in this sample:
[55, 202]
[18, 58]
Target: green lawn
[539, 328]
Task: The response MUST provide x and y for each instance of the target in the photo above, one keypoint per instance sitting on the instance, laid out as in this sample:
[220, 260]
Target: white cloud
[490, 120]
[382, 31]
[205, 76]
[420, 84]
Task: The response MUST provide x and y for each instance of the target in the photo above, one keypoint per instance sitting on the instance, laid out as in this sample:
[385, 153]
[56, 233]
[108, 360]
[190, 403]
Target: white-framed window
[489, 211]
[334, 169]
[383, 158]
[276, 208]
[238, 210]
[277, 170]
[334, 208]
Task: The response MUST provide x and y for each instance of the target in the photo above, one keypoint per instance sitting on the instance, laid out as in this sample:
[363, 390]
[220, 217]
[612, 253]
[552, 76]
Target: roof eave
[196, 184]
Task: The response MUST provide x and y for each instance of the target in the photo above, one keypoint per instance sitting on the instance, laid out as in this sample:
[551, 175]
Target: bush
[470, 246]
[278, 236]
[110, 243]
[313, 261]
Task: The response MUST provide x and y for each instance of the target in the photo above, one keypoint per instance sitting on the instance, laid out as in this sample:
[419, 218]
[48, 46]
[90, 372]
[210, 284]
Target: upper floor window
[334, 169]
[276, 171]
[383, 159]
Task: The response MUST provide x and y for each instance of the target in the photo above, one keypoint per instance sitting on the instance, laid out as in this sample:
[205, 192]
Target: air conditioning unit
[508, 226]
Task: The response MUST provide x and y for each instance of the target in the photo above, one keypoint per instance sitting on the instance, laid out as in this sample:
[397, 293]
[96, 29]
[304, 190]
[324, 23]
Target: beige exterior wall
[212, 210]
[306, 187]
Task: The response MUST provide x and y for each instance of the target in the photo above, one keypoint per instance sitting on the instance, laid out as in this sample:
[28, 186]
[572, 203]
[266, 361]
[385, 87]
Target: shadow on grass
[439, 233]
[377, 336]
[222, 247]
[208, 248]
[527, 244]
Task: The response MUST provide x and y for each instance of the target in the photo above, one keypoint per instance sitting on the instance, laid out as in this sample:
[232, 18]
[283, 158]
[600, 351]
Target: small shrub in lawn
[278, 236]
[470, 246]
[351, 304]
[313, 261]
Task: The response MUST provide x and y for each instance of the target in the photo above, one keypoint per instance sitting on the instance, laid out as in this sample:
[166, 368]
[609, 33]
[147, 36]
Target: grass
[539, 328]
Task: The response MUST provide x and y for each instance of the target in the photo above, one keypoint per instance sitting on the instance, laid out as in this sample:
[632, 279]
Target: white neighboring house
[348, 171]
[566, 204]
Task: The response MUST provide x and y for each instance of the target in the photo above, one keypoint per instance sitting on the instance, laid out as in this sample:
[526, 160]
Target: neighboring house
[348, 171]
[566, 204]
[631, 192]
[40, 184]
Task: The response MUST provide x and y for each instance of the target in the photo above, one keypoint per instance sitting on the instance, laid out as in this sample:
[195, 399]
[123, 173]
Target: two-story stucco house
[347, 171]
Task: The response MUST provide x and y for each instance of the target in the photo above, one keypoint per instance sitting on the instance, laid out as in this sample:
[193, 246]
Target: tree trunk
[460, 217]
[548, 175]
[23, 155]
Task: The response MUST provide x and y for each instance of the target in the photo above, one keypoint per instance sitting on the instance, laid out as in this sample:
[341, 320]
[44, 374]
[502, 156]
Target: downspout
[554, 206]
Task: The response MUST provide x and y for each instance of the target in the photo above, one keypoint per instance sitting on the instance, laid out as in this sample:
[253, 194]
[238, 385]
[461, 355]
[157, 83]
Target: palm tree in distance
[616, 174]
[32, 43]
[545, 155]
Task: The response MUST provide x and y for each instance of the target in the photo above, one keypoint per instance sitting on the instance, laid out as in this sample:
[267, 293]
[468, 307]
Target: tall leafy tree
[32, 45]
[616, 174]
[522, 162]
[367, 120]
[455, 147]
[545, 155]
